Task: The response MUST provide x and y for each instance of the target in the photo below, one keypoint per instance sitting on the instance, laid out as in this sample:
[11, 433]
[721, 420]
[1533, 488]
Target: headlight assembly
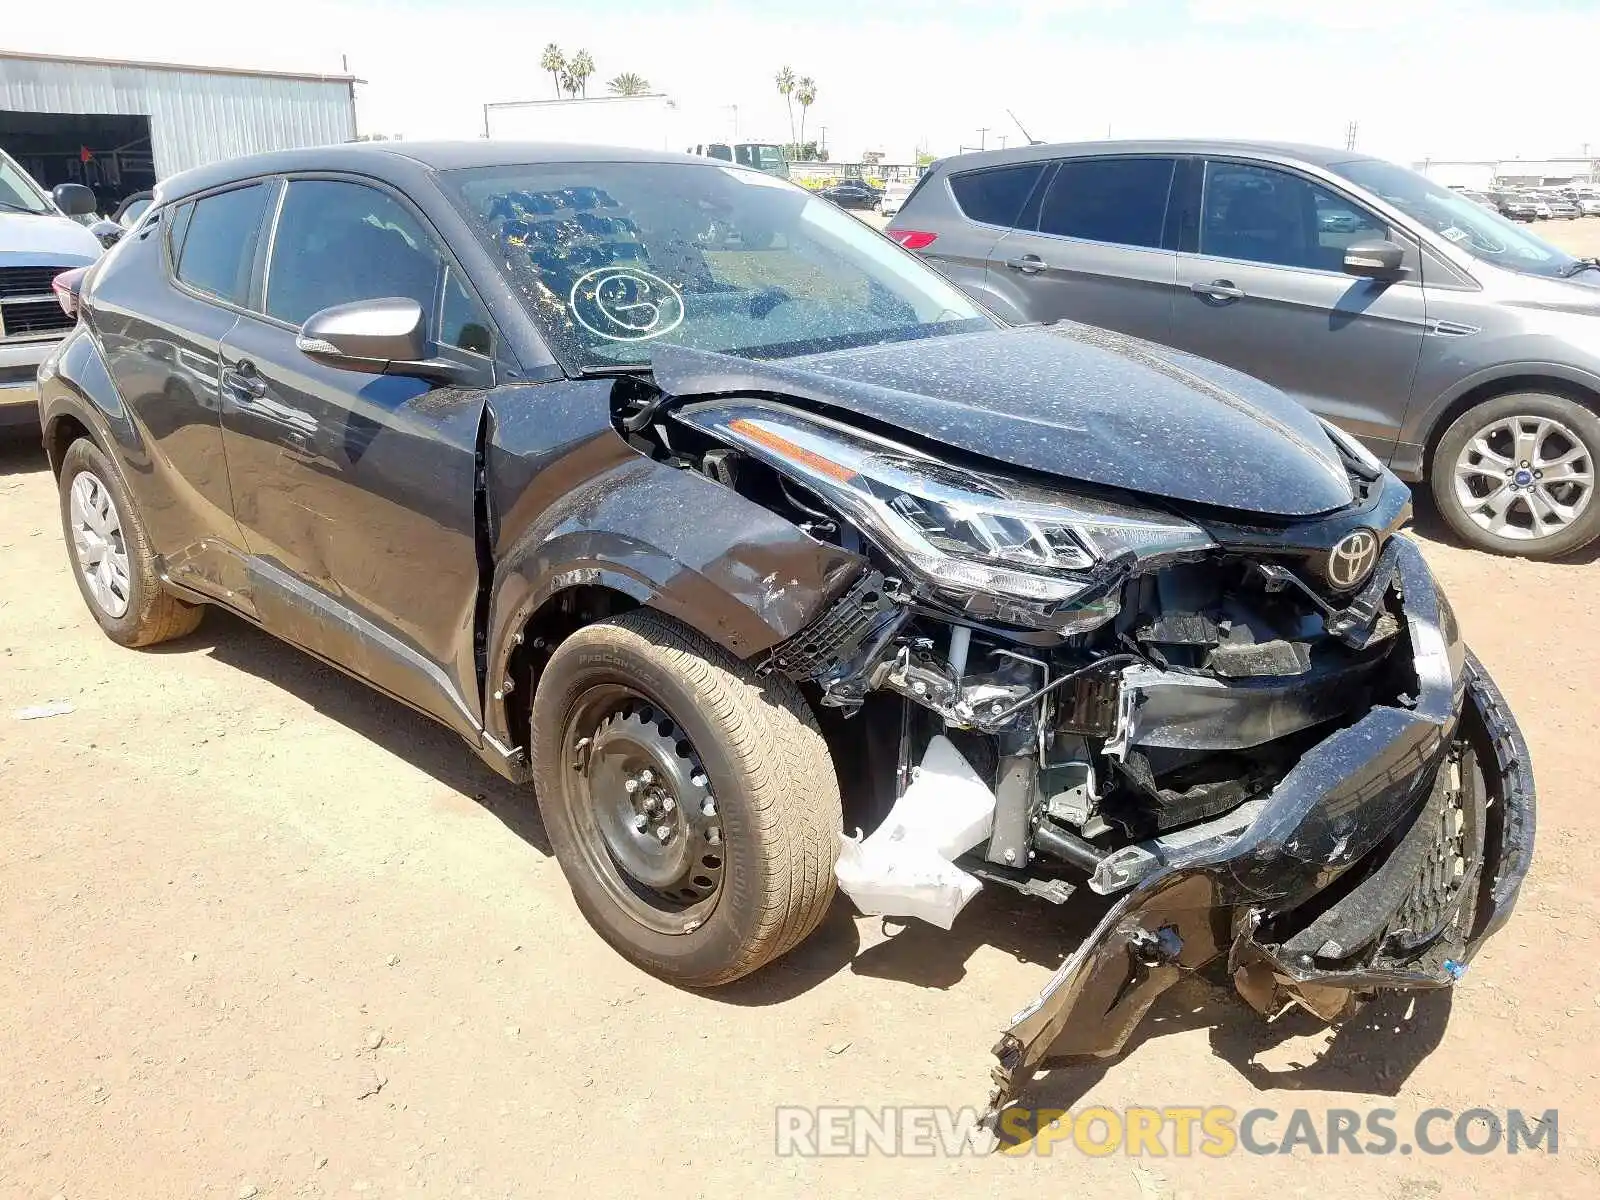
[1050, 555]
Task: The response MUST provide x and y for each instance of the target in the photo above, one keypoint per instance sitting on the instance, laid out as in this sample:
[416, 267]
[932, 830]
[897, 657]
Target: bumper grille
[32, 318]
[834, 638]
[1450, 859]
[27, 281]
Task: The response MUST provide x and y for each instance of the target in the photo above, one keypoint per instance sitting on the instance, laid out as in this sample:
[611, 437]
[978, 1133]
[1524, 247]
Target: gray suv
[1455, 344]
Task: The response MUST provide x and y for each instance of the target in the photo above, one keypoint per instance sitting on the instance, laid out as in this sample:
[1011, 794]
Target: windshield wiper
[1580, 264]
[21, 208]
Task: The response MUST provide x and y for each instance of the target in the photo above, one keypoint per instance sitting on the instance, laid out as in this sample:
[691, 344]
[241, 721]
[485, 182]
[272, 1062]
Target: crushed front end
[1261, 742]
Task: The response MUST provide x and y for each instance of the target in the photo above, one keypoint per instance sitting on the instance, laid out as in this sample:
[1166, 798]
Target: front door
[1262, 289]
[356, 492]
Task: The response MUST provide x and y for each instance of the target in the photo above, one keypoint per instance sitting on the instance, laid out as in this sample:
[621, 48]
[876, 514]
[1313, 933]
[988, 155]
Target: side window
[1118, 200]
[1264, 215]
[341, 242]
[214, 242]
[463, 323]
[995, 196]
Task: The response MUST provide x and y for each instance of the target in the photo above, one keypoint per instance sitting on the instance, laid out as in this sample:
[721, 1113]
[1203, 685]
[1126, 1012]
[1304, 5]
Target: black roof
[391, 159]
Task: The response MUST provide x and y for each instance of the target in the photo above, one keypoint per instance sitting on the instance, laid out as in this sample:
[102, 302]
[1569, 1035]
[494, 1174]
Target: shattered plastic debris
[904, 868]
[50, 708]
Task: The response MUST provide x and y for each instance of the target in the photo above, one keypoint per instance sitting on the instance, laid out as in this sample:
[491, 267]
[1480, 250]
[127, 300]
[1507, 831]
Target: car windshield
[17, 191]
[612, 259]
[1481, 233]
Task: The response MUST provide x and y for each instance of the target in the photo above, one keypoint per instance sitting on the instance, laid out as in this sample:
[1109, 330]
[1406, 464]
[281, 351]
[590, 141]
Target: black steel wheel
[643, 801]
[692, 804]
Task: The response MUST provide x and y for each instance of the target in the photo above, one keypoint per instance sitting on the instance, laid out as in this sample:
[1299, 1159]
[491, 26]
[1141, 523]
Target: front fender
[668, 538]
[1422, 420]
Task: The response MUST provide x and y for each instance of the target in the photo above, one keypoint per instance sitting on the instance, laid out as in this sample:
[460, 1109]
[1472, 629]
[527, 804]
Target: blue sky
[1422, 78]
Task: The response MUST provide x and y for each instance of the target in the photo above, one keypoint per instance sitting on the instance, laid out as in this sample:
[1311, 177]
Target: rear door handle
[1028, 264]
[244, 382]
[1218, 289]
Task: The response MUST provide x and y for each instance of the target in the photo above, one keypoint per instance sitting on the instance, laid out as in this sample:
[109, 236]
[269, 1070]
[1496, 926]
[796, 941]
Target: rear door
[356, 492]
[1262, 288]
[162, 308]
[955, 222]
[1097, 249]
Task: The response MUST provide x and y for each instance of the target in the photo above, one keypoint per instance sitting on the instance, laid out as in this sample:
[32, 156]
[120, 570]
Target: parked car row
[1457, 346]
[686, 523]
[1544, 205]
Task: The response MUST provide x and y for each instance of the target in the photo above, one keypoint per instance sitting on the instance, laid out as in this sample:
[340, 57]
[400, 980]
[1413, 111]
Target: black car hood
[1069, 400]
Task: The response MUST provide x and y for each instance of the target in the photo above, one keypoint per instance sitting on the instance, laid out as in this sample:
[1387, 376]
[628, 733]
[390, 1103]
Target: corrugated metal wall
[195, 118]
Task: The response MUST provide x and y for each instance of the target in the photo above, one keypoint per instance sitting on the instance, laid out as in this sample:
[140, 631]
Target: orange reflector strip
[783, 446]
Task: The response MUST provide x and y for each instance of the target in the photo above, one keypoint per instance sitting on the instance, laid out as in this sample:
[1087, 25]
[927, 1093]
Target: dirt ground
[264, 932]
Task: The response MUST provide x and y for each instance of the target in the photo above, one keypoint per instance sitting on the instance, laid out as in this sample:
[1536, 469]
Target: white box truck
[653, 122]
[638, 122]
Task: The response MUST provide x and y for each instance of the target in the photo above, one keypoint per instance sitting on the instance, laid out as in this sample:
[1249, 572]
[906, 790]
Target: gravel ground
[264, 932]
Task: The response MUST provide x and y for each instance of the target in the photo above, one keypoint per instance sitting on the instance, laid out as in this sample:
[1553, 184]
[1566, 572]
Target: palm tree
[582, 67]
[555, 62]
[628, 84]
[805, 91]
[786, 90]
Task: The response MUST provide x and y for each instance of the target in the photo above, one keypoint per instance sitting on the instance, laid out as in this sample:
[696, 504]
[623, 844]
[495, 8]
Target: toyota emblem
[1352, 558]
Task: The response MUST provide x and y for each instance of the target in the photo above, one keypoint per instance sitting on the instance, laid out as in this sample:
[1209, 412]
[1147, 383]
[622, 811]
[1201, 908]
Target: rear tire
[1517, 475]
[636, 710]
[110, 553]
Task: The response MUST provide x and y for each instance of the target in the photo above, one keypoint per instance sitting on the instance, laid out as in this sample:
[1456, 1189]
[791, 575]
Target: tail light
[913, 239]
[65, 286]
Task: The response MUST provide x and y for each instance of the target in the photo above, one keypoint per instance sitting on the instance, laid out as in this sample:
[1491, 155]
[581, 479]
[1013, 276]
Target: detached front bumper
[1383, 859]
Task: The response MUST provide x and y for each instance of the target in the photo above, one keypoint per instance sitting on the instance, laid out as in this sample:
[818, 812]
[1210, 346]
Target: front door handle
[1028, 264]
[1218, 289]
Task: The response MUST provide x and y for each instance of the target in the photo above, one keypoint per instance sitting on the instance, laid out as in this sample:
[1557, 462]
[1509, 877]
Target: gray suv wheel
[1516, 475]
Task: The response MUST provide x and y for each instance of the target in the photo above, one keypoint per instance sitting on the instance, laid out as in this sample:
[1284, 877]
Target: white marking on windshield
[625, 304]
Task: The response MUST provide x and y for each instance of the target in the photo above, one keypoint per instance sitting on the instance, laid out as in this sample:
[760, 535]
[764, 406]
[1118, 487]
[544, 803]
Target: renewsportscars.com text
[1173, 1131]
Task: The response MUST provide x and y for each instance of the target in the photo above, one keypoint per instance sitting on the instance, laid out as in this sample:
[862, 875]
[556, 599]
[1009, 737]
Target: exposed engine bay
[1052, 686]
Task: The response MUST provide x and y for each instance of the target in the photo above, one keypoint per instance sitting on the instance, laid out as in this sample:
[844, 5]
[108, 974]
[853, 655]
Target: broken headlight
[960, 532]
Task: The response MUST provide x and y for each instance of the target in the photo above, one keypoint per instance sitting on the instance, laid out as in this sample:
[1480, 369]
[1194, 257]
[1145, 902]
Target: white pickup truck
[38, 240]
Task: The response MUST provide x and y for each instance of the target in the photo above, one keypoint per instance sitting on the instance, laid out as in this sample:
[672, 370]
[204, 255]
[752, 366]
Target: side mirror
[1374, 260]
[109, 232]
[378, 337]
[74, 199]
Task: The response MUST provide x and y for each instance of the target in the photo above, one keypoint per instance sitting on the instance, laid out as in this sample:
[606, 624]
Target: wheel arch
[1580, 389]
[62, 430]
[79, 399]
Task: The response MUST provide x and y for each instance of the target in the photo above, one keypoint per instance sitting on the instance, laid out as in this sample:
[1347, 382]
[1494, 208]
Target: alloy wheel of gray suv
[1516, 475]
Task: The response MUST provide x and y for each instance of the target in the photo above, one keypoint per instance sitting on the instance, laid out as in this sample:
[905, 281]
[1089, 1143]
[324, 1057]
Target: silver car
[1455, 344]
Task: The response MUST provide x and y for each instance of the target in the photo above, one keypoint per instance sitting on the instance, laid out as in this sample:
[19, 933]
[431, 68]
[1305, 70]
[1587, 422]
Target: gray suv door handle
[1218, 289]
[1028, 264]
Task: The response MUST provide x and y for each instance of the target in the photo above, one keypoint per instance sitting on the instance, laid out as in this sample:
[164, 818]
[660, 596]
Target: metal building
[120, 126]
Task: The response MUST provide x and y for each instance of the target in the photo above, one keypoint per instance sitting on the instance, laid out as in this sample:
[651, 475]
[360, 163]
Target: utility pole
[983, 138]
[1350, 135]
[1002, 141]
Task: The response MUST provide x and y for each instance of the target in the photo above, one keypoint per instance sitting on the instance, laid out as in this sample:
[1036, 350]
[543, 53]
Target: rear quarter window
[996, 195]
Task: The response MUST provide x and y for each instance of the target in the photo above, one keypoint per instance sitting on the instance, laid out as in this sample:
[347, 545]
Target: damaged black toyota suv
[773, 563]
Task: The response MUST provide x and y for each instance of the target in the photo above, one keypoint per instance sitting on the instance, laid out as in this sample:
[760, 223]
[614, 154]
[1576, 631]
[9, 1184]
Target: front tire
[692, 805]
[1516, 475]
[111, 557]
